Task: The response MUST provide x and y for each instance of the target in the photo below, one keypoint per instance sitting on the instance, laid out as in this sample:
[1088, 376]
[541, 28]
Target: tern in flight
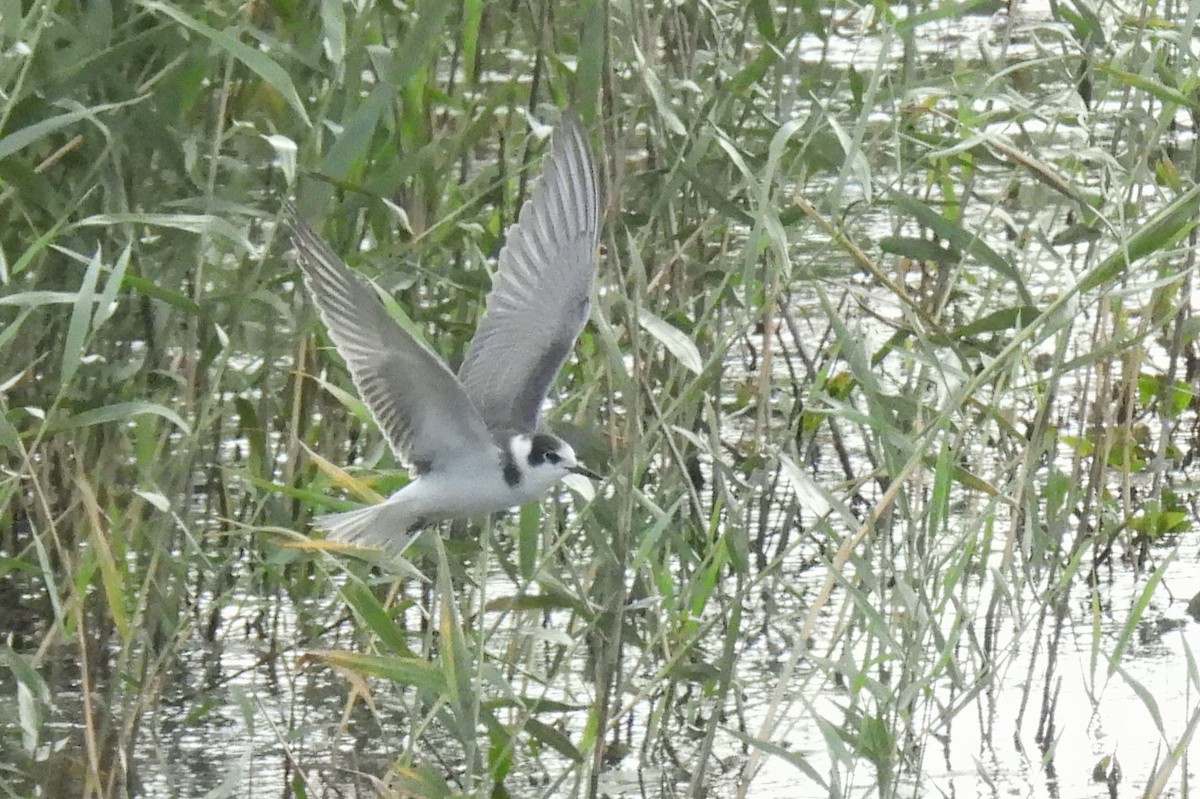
[473, 440]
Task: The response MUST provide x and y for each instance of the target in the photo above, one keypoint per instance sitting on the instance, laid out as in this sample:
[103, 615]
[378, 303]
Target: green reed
[887, 370]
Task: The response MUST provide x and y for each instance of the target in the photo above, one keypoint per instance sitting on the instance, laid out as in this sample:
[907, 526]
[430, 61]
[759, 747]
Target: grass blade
[81, 318]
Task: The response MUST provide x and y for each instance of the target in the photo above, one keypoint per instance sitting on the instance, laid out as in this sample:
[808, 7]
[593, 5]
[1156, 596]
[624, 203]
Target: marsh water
[1076, 679]
[249, 714]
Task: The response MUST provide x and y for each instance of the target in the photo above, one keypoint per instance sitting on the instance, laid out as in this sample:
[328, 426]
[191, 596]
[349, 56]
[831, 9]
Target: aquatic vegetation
[891, 370]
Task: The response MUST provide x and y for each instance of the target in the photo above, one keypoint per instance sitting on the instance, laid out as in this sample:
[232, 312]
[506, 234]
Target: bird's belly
[454, 496]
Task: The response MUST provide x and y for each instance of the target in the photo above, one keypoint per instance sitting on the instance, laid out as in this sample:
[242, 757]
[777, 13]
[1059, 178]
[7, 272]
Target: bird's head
[544, 459]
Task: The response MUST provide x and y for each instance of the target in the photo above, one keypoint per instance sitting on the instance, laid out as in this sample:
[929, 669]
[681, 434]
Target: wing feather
[417, 402]
[541, 290]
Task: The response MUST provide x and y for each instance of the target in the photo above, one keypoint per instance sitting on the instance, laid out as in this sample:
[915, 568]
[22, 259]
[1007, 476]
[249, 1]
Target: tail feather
[384, 525]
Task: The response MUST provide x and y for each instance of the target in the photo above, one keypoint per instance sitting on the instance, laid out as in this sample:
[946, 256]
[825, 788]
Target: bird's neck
[513, 458]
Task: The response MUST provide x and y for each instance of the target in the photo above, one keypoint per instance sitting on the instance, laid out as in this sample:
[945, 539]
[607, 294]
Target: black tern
[473, 441]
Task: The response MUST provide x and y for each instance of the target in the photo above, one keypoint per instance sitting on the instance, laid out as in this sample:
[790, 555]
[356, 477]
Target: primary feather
[415, 399]
[541, 290]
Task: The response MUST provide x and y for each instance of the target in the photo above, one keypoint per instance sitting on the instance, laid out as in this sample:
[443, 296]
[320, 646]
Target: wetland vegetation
[891, 371]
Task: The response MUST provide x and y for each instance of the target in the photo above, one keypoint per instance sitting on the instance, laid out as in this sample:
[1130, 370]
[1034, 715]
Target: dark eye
[553, 457]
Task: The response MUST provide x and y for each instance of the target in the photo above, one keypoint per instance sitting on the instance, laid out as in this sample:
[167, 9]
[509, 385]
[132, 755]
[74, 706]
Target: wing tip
[569, 184]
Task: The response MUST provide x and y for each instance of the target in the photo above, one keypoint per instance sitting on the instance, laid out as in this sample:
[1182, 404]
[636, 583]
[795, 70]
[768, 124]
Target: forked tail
[385, 525]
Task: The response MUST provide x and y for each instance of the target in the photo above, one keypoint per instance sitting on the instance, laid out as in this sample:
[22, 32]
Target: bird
[474, 440]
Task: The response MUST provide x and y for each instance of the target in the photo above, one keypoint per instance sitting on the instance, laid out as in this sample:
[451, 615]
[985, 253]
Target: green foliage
[892, 352]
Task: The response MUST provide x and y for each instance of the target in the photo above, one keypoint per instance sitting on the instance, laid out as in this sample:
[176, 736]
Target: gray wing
[541, 290]
[415, 399]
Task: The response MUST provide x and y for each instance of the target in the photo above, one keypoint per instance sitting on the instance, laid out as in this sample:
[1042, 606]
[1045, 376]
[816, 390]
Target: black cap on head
[541, 445]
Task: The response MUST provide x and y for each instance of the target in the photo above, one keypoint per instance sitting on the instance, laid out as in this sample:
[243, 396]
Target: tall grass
[890, 369]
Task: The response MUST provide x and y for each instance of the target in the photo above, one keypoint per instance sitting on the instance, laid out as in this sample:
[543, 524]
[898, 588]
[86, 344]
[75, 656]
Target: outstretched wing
[415, 399]
[541, 291]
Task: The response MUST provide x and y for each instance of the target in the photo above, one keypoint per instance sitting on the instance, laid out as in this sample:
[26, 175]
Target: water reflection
[1022, 705]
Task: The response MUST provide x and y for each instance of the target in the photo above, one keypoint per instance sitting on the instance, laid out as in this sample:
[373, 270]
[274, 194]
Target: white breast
[473, 488]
